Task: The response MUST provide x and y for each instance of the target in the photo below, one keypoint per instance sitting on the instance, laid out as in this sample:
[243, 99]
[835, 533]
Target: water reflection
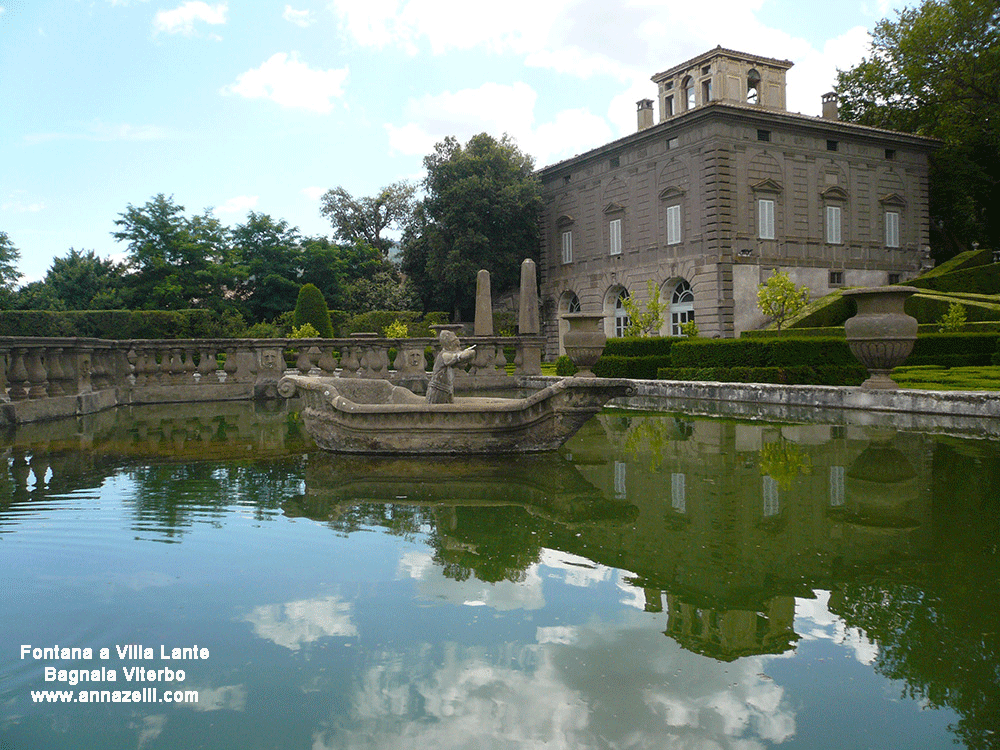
[663, 581]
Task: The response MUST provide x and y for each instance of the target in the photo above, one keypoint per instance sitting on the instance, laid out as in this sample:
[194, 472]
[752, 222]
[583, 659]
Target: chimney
[830, 106]
[645, 113]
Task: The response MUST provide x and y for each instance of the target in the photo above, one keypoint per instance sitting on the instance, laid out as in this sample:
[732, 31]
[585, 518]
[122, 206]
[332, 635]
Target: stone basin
[373, 416]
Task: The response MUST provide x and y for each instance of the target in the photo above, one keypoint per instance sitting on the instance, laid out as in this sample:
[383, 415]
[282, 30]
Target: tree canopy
[267, 259]
[84, 281]
[480, 211]
[935, 71]
[367, 218]
[9, 255]
[175, 262]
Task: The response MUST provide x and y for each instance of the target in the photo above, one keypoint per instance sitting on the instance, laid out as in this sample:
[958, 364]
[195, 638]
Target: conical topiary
[311, 308]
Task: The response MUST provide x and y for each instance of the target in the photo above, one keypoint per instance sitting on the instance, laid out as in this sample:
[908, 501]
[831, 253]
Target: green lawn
[929, 377]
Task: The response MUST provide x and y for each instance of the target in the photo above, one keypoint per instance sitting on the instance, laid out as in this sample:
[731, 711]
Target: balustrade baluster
[37, 375]
[82, 365]
[349, 361]
[501, 360]
[174, 366]
[189, 366]
[304, 362]
[56, 373]
[99, 375]
[18, 375]
[66, 362]
[4, 365]
[141, 366]
[208, 366]
[230, 366]
[327, 362]
[376, 362]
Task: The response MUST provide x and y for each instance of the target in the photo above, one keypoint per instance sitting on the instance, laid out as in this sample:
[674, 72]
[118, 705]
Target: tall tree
[367, 218]
[175, 262]
[9, 255]
[84, 281]
[268, 261]
[480, 211]
[322, 266]
[935, 71]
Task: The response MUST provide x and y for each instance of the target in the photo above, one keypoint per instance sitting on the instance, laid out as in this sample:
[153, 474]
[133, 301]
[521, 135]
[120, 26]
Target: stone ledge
[966, 412]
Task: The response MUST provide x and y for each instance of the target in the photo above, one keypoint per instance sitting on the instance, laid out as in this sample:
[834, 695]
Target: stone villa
[723, 189]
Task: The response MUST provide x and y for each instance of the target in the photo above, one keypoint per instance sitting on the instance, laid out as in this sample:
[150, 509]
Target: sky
[240, 106]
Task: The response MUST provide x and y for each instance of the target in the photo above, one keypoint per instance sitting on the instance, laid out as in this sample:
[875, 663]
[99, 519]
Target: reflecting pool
[662, 582]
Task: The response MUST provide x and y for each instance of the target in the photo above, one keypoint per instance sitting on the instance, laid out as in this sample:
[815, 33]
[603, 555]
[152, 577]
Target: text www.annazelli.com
[146, 695]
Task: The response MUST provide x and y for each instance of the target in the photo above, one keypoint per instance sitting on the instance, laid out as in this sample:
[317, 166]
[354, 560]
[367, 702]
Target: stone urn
[881, 335]
[881, 486]
[584, 341]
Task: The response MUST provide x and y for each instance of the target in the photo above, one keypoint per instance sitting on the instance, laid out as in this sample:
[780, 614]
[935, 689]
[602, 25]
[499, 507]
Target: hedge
[954, 349]
[979, 326]
[819, 360]
[636, 368]
[966, 259]
[113, 324]
[565, 367]
[749, 352]
[792, 375]
[376, 321]
[658, 346]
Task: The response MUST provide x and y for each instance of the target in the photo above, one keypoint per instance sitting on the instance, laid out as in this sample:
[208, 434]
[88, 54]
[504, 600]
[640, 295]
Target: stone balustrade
[45, 378]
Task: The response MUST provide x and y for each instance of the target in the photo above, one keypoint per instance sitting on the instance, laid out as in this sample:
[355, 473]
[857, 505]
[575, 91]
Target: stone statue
[441, 387]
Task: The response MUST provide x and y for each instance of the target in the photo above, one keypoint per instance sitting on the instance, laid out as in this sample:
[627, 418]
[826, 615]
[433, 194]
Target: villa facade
[724, 189]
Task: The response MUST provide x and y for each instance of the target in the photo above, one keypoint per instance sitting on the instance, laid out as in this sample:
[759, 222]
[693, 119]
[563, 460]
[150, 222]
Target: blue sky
[239, 106]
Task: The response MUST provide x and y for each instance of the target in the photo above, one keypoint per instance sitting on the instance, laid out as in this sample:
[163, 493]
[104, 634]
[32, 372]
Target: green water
[662, 582]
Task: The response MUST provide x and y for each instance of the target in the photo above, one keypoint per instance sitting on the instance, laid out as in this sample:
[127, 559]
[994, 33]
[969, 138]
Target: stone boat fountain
[373, 416]
[347, 415]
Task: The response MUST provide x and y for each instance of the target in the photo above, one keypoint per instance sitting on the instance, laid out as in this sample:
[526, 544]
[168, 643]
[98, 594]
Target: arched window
[688, 87]
[681, 307]
[573, 306]
[753, 86]
[621, 315]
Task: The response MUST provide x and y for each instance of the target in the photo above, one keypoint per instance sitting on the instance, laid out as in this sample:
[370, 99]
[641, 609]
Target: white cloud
[102, 131]
[238, 205]
[152, 727]
[16, 206]
[496, 109]
[301, 18]
[313, 192]
[289, 82]
[579, 37]
[294, 624]
[575, 570]
[814, 621]
[565, 634]
[225, 697]
[815, 71]
[182, 18]
[445, 25]
[564, 692]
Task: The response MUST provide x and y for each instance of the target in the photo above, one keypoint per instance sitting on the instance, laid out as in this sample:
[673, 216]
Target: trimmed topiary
[311, 308]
